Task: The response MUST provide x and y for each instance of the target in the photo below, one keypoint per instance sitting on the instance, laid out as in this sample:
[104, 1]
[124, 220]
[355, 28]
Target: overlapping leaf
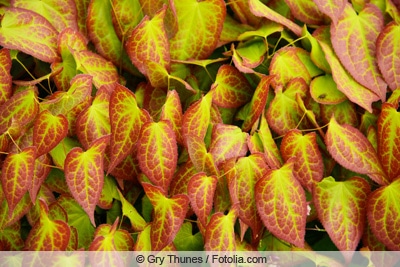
[353, 39]
[37, 38]
[383, 214]
[389, 140]
[137, 221]
[41, 171]
[6, 79]
[16, 175]
[308, 164]
[172, 111]
[169, 214]
[331, 8]
[85, 176]
[47, 234]
[341, 207]
[323, 90]
[232, 90]
[202, 160]
[198, 34]
[126, 121]
[60, 14]
[201, 189]
[281, 204]
[48, 131]
[306, 11]
[387, 49]
[126, 14]
[350, 148]
[149, 42]
[158, 152]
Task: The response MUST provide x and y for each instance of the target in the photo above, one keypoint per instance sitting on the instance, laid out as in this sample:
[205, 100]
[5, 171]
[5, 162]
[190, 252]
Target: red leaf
[85, 176]
[5, 76]
[351, 149]
[331, 8]
[172, 111]
[281, 203]
[48, 131]
[41, 171]
[158, 153]
[201, 189]
[16, 175]
[202, 160]
[169, 214]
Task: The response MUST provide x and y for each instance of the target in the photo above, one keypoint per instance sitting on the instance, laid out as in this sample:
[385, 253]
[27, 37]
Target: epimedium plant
[200, 125]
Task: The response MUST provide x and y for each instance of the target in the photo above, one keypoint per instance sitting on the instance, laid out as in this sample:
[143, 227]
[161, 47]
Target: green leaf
[220, 234]
[6, 79]
[37, 38]
[149, 42]
[48, 131]
[353, 39]
[197, 34]
[10, 238]
[137, 221]
[85, 176]
[59, 153]
[281, 204]
[341, 207]
[158, 152]
[126, 121]
[387, 47]
[306, 11]
[383, 213]
[169, 214]
[351, 149]
[231, 88]
[16, 175]
[201, 189]
[48, 234]
[61, 15]
[389, 140]
[308, 165]
[323, 90]
[185, 240]
[126, 16]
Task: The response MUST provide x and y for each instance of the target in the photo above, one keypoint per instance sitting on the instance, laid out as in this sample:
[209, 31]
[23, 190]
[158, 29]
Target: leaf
[126, 120]
[306, 11]
[261, 10]
[220, 233]
[281, 204]
[16, 175]
[41, 171]
[172, 111]
[114, 239]
[60, 14]
[383, 214]
[257, 103]
[308, 159]
[85, 176]
[201, 159]
[389, 140]
[59, 153]
[353, 39]
[227, 141]
[341, 207]
[354, 91]
[137, 221]
[387, 47]
[47, 234]
[185, 240]
[169, 214]
[231, 89]
[19, 110]
[48, 131]
[351, 149]
[126, 14]
[101, 32]
[149, 42]
[201, 189]
[94, 121]
[6, 79]
[197, 118]
[331, 8]
[158, 152]
[27, 31]
[323, 90]
[10, 238]
[198, 34]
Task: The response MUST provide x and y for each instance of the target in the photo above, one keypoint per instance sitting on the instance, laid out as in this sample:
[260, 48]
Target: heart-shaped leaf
[158, 152]
[351, 149]
[16, 175]
[281, 204]
[48, 131]
[201, 189]
[169, 214]
[304, 148]
[37, 38]
[384, 214]
[85, 176]
[341, 207]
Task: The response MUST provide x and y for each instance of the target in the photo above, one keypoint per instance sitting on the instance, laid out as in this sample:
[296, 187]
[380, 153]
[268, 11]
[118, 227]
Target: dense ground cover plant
[199, 125]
